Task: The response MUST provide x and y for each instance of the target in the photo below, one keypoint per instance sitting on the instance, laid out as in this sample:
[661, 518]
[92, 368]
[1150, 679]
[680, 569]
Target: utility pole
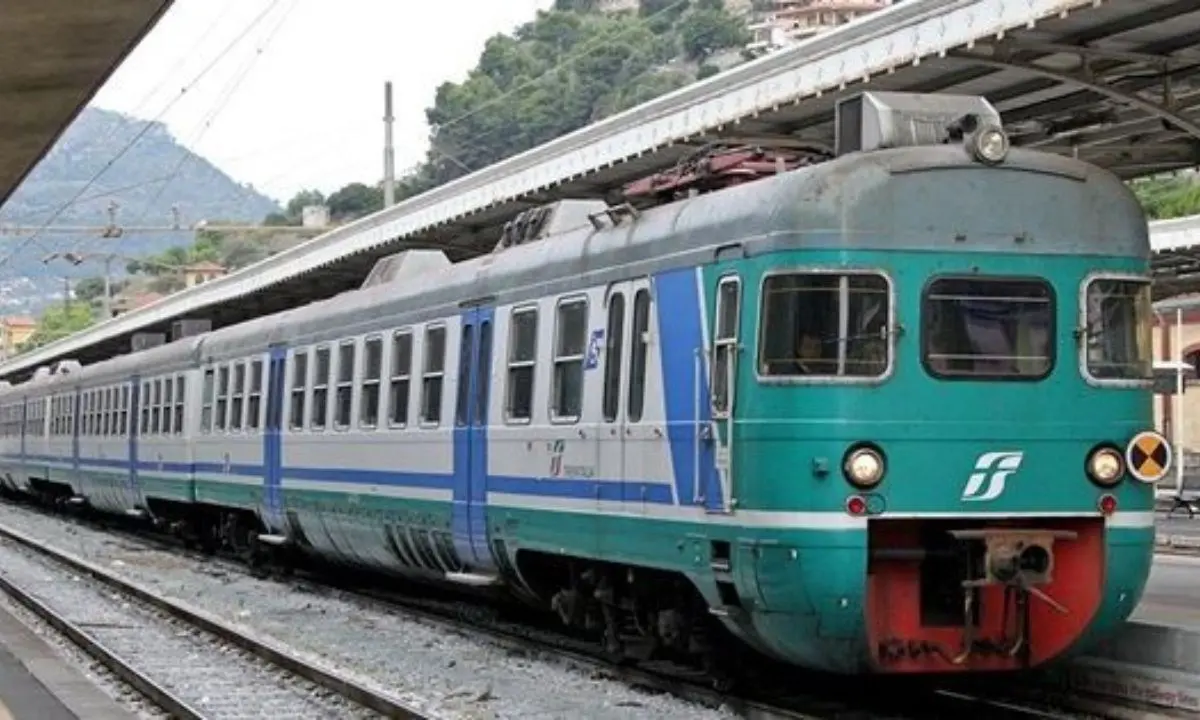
[389, 152]
[114, 231]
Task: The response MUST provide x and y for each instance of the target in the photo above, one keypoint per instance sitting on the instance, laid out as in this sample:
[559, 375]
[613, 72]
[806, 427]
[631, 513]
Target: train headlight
[1105, 466]
[989, 144]
[863, 467]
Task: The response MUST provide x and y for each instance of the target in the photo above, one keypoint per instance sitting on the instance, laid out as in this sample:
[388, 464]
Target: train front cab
[993, 472]
[1042, 433]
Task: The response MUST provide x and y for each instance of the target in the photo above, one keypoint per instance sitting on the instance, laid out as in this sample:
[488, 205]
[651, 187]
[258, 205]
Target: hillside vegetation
[565, 69]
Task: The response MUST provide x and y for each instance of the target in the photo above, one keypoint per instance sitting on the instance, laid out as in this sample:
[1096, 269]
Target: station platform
[37, 684]
[1172, 595]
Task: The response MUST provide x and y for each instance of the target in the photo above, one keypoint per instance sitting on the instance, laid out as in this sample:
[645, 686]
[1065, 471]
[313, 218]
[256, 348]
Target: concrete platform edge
[1147, 663]
[77, 693]
[1177, 543]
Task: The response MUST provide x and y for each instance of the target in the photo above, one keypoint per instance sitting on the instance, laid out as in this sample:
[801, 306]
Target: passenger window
[1119, 322]
[146, 403]
[482, 376]
[156, 408]
[299, 384]
[522, 360]
[180, 396]
[981, 328]
[368, 413]
[614, 344]
[236, 398]
[104, 410]
[431, 381]
[345, 384]
[168, 400]
[639, 350]
[222, 396]
[254, 397]
[320, 404]
[206, 402]
[569, 348]
[125, 395]
[824, 325]
[725, 340]
[466, 348]
[402, 344]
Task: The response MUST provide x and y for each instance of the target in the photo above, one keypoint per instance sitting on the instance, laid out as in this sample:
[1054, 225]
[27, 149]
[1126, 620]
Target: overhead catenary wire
[228, 92]
[133, 141]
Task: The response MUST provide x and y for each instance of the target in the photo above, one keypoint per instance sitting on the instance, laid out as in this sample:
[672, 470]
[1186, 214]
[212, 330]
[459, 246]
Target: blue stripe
[677, 300]
[656, 493]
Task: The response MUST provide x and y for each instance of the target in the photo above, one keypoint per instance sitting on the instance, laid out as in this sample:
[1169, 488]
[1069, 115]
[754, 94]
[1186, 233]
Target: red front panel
[915, 605]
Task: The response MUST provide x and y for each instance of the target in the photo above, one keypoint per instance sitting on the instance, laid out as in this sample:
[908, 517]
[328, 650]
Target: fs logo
[991, 471]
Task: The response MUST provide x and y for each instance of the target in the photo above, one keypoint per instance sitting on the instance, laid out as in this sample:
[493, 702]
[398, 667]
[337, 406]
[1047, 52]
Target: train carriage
[885, 409]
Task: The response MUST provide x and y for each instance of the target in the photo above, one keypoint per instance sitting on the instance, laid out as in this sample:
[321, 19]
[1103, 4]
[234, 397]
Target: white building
[790, 21]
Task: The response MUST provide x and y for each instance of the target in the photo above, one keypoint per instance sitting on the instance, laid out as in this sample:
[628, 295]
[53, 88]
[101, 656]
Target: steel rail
[327, 679]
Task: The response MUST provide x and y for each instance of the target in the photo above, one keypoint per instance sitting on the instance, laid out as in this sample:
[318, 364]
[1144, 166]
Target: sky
[288, 94]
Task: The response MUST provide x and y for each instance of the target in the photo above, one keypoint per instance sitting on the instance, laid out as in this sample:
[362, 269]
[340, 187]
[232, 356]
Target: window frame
[732, 344]
[341, 383]
[179, 409]
[555, 359]
[302, 389]
[1081, 335]
[426, 375]
[367, 384]
[1052, 330]
[639, 374]
[759, 336]
[509, 364]
[613, 355]
[254, 394]
[393, 377]
[221, 414]
[208, 398]
[321, 384]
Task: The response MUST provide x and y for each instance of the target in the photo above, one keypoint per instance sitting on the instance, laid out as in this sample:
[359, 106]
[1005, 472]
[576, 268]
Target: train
[881, 407]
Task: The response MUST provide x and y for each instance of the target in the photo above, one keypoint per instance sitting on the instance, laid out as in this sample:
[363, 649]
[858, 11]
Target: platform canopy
[54, 56]
[1112, 82]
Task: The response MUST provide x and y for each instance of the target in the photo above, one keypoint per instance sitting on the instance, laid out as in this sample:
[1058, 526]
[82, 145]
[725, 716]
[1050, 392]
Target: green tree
[354, 201]
[704, 31]
[59, 321]
[1168, 197]
[295, 206]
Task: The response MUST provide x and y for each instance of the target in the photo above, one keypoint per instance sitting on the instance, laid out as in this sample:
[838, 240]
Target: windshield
[825, 325]
[1118, 328]
[988, 328]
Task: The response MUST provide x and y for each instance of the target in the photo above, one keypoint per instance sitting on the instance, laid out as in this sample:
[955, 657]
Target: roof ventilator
[145, 341]
[547, 220]
[404, 265]
[188, 328]
[66, 367]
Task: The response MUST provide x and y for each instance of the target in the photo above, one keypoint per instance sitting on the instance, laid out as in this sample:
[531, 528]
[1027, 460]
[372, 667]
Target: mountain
[147, 179]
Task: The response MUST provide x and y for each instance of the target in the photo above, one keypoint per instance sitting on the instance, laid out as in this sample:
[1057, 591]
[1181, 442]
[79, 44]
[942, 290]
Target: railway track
[813, 697]
[189, 665]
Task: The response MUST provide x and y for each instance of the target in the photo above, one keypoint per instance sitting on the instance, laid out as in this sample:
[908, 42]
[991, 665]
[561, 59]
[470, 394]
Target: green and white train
[888, 411]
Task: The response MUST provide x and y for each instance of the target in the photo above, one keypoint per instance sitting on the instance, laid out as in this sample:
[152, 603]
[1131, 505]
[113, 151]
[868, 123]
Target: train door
[641, 439]
[76, 426]
[469, 513]
[272, 502]
[722, 382]
[132, 488]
